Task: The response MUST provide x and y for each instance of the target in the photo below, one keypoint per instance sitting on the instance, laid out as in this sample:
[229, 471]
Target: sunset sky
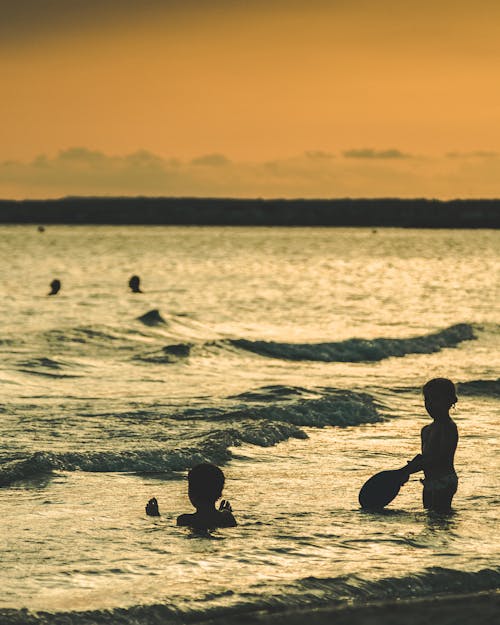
[250, 98]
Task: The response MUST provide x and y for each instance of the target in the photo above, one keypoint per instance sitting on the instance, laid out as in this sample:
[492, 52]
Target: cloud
[476, 154]
[28, 19]
[78, 170]
[82, 171]
[211, 160]
[369, 153]
[25, 21]
[319, 154]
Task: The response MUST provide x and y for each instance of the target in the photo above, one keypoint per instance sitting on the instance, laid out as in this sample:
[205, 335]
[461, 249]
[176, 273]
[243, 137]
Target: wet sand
[477, 608]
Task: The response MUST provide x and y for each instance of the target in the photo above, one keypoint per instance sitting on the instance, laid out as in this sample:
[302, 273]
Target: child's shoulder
[225, 518]
[448, 425]
[452, 426]
[221, 518]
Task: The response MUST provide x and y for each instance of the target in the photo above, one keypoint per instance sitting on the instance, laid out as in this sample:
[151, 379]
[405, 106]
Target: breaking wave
[109, 340]
[428, 582]
[273, 392]
[476, 388]
[308, 593]
[262, 424]
[487, 388]
[337, 407]
[360, 350]
[213, 447]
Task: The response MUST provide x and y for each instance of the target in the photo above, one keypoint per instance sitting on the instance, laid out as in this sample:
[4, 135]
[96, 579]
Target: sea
[294, 359]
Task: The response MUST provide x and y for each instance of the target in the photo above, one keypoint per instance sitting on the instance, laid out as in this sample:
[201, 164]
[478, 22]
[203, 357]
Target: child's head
[439, 395]
[206, 482]
[134, 283]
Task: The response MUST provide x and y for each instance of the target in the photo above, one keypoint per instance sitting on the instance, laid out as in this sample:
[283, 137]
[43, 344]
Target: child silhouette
[206, 482]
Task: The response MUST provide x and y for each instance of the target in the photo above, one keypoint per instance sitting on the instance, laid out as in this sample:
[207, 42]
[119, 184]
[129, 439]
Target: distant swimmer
[55, 287]
[135, 284]
[206, 482]
[439, 443]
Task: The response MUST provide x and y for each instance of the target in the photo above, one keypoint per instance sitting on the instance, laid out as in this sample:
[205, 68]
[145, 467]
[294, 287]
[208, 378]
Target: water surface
[255, 367]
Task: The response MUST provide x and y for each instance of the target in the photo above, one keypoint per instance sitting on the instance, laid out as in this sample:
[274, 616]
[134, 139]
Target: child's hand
[415, 464]
[225, 506]
[152, 507]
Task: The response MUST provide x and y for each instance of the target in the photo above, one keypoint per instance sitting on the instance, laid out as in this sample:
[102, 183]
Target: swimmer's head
[440, 395]
[55, 287]
[134, 283]
[206, 482]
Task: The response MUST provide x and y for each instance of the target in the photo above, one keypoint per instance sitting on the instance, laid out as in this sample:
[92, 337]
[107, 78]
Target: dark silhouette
[373, 213]
[41, 229]
[55, 287]
[152, 507]
[382, 488]
[135, 284]
[439, 443]
[206, 482]
[152, 318]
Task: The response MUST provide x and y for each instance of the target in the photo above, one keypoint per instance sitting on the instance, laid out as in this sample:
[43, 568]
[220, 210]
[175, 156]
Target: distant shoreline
[378, 212]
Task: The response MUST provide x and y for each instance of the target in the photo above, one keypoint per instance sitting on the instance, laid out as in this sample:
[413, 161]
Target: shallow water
[253, 367]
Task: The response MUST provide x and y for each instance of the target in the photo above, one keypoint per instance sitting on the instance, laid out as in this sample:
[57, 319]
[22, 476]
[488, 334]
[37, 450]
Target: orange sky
[256, 82]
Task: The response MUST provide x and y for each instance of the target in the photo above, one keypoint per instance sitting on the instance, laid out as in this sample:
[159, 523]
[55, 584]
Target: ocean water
[292, 357]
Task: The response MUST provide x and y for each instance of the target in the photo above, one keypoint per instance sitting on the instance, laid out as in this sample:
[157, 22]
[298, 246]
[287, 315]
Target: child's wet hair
[206, 481]
[441, 387]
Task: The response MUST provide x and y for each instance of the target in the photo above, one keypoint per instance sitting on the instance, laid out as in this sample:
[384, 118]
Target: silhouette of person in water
[55, 287]
[134, 284]
[206, 482]
[439, 443]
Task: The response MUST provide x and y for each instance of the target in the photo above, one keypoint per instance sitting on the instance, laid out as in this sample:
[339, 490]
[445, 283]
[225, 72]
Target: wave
[47, 367]
[168, 354]
[350, 350]
[152, 318]
[213, 447]
[360, 350]
[487, 388]
[304, 594]
[82, 334]
[481, 388]
[259, 424]
[335, 407]
[272, 392]
[86, 340]
[427, 582]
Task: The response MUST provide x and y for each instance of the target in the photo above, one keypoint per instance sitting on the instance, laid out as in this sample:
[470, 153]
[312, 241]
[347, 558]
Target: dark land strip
[392, 212]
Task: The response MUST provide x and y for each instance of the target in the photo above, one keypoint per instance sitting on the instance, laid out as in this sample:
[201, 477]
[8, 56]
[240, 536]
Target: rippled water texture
[294, 357]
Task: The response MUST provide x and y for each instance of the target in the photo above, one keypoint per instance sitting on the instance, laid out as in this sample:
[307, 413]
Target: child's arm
[414, 465]
[420, 460]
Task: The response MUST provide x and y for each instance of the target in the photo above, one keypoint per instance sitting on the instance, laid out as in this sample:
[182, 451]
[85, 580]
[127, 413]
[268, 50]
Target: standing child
[439, 443]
